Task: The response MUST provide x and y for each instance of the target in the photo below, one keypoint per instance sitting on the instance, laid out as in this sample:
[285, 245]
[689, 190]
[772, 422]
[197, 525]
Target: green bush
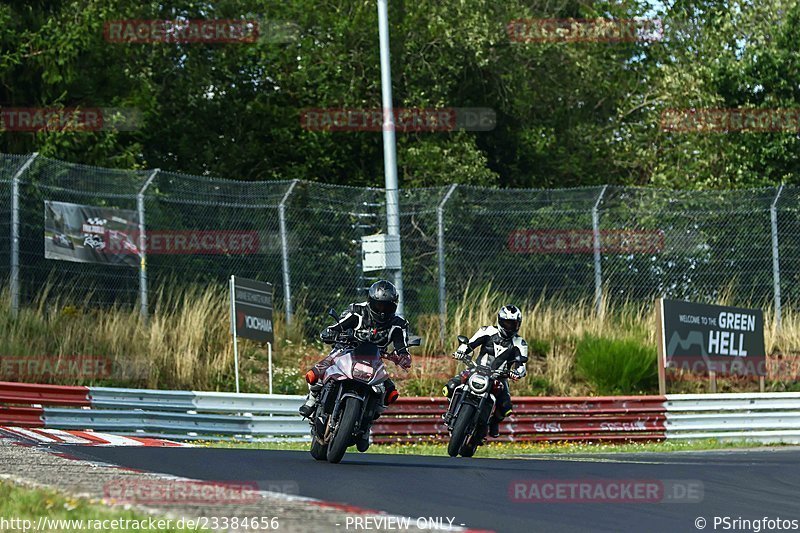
[616, 366]
[533, 386]
[538, 348]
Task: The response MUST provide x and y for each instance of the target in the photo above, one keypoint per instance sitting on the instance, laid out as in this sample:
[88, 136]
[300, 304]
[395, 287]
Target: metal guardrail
[770, 417]
[626, 418]
[758, 417]
[192, 414]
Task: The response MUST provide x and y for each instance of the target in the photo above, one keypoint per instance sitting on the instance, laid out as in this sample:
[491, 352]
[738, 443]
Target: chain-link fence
[618, 243]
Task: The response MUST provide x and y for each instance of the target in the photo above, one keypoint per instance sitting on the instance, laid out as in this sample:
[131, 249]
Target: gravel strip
[35, 466]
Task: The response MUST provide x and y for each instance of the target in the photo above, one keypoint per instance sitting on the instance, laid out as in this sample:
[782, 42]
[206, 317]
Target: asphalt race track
[747, 484]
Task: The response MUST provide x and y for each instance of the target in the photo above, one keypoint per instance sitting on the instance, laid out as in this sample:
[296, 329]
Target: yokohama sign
[572, 241]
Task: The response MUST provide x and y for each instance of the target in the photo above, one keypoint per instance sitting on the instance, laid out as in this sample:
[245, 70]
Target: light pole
[389, 146]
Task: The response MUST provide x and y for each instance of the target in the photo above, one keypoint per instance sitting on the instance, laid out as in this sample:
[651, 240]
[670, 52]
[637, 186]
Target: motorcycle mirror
[415, 341]
[463, 340]
[332, 313]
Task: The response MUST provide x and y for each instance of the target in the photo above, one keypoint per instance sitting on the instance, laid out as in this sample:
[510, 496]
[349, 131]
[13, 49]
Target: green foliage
[616, 366]
[535, 386]
[538, 347]
[567, 113]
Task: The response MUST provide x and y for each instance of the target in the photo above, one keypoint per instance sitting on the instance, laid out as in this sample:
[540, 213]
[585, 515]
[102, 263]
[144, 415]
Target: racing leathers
[496, 351]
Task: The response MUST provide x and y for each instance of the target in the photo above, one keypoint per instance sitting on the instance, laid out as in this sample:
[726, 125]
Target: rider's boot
[314, 387]
[494, 427]
[362, 444]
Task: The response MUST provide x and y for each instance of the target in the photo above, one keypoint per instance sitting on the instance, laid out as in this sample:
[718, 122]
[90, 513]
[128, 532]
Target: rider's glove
[328, 336]
[403, 361]
[461, 353]
[518, 373]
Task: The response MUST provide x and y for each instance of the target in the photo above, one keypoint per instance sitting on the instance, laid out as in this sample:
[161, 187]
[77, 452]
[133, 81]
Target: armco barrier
[758, 417]
[626, 418]
[193, 414]
[773, 417]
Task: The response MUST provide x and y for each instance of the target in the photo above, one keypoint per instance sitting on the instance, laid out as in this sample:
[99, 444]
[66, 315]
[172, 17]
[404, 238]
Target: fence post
[287, 283]
[776, 271]
[14, 275]
[440, 251]
[598, 274]
[143, 246]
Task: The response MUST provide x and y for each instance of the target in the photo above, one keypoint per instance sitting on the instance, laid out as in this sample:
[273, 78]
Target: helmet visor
[509, 324]
[388, 308]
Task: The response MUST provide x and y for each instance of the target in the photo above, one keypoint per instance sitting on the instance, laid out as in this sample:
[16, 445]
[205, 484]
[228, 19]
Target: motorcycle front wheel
[459, 435]
[344, 432]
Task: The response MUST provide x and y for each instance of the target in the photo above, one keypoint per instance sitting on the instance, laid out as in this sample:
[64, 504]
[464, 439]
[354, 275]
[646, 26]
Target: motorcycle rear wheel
[459, 435]
[344, 432]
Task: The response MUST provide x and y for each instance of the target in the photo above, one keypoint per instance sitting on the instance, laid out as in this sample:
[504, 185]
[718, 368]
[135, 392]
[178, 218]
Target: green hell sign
[701, 338]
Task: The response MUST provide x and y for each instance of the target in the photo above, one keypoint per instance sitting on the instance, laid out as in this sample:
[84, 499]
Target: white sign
[380, 252]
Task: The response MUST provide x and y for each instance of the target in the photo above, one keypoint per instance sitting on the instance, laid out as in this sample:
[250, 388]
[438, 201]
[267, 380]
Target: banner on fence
[90, 234]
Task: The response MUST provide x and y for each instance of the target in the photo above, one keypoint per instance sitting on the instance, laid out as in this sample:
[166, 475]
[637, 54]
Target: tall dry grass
[186, 344]
[552, 328]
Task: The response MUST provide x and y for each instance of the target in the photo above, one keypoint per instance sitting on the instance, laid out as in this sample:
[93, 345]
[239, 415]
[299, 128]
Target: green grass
[510, 450]
[616, 366]
[23, 503]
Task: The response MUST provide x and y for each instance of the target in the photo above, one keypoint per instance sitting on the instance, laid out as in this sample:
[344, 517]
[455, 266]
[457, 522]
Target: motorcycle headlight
[478, 384]
[363, 372]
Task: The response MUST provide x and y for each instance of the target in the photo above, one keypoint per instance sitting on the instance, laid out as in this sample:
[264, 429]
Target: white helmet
[509, 319]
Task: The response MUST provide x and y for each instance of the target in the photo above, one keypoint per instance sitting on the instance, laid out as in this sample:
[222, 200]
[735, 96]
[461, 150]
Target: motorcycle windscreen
[367, 351]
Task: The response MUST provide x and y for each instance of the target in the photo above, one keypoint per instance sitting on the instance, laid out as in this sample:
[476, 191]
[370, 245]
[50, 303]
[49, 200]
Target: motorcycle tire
[344, 432]
[460, 430]
[471, 445]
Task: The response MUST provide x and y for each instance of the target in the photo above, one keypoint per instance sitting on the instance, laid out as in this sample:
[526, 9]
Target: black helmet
[383, 299]
[509, 319]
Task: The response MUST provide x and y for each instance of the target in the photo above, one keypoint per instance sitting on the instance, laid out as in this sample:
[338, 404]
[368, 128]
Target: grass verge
[511, 450]
[48, 510]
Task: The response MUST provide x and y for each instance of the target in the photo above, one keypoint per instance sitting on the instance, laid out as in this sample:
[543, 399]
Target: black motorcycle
[472, 405]
[352, 395]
